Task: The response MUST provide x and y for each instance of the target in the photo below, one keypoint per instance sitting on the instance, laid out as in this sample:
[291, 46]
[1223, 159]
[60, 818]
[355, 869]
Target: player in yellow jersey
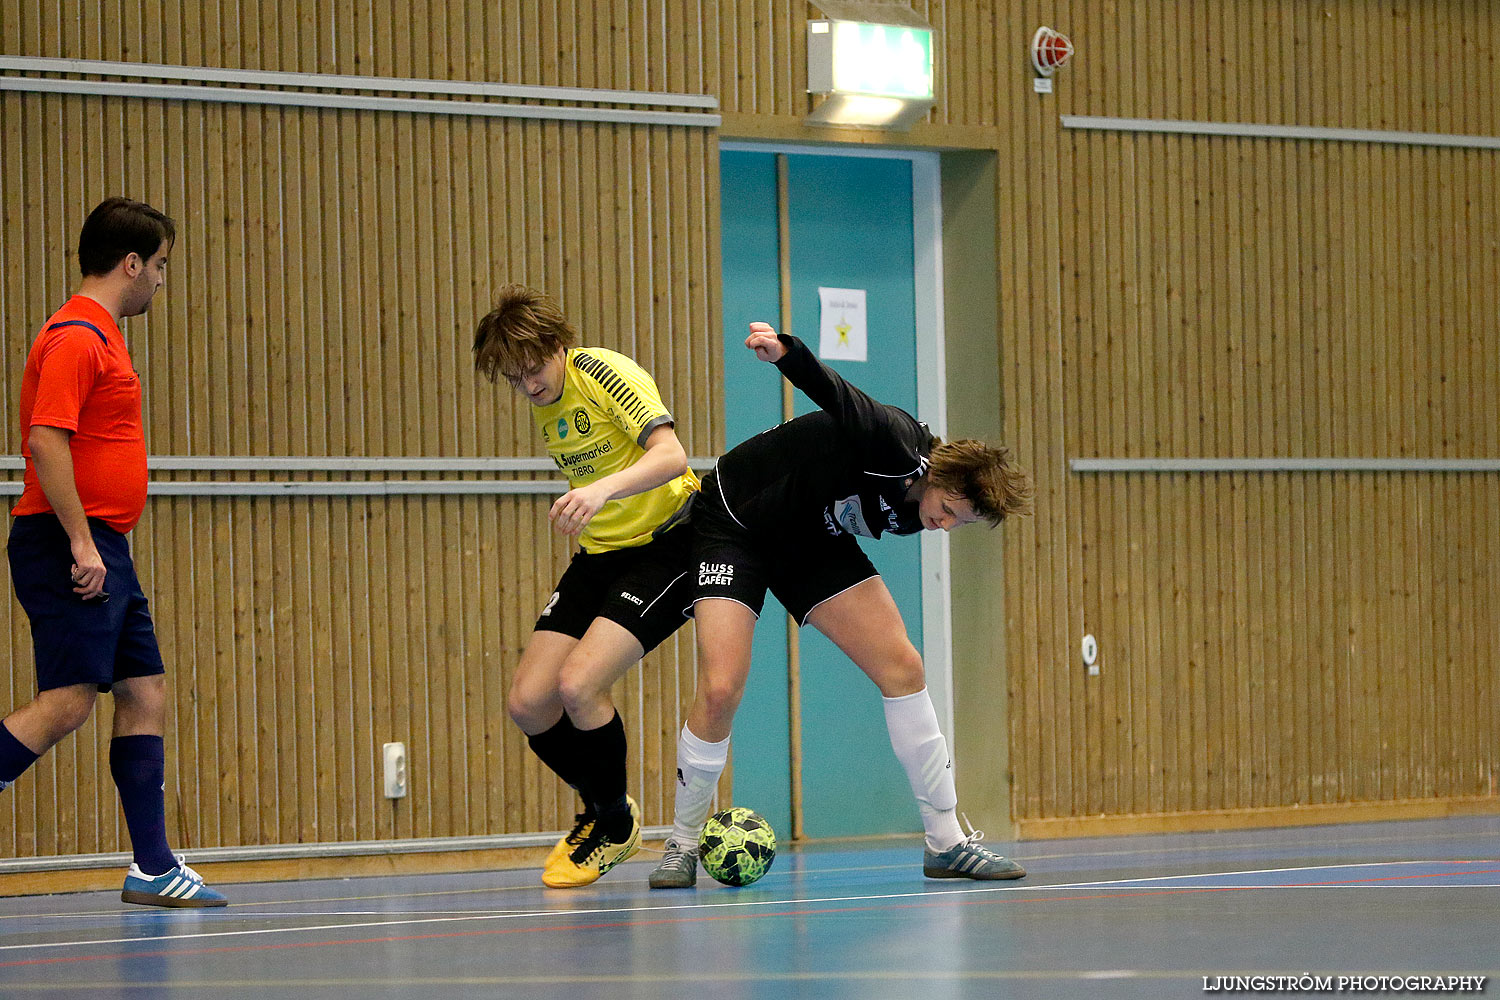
[607, 429]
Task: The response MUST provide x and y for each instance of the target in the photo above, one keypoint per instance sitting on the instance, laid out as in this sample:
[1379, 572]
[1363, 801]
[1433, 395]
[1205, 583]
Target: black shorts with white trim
[802, 567]
[647, 589]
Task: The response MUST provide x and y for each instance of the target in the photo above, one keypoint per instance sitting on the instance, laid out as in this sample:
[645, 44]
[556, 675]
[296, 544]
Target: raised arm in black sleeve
[885, 434]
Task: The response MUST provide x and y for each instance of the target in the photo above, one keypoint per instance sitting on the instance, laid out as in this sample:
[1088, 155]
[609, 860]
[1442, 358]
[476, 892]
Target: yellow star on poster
[843, 330]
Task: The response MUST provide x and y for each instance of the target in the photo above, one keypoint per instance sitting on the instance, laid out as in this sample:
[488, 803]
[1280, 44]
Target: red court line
[1386, 878]
[1001, 895]
[491, 932]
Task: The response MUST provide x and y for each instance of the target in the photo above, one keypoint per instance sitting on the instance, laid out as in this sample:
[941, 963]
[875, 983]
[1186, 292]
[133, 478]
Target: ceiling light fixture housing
[872, 73]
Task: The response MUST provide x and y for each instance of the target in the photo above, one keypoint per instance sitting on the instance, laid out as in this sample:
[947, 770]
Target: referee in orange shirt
[85, 488]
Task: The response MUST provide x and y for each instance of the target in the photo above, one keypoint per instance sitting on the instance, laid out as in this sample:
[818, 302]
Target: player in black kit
[780, 512]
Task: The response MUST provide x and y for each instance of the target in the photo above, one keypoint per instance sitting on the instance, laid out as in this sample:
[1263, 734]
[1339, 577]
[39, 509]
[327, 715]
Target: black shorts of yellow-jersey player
[606, 427]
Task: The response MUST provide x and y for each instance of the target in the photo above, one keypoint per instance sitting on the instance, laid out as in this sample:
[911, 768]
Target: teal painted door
[752, 291]
[851, 227]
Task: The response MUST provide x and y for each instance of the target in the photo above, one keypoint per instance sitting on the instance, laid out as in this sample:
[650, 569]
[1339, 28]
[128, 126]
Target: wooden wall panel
[1278, 640]
[329, 269]
[1365, 724]
[1360, 381]
[1270, 640]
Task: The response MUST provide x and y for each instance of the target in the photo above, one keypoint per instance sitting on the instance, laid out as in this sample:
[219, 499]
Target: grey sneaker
[967, 859]
[4, 785]
[678, 869]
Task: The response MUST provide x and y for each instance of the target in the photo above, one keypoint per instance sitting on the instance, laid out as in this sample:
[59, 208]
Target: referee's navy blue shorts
[96, 641]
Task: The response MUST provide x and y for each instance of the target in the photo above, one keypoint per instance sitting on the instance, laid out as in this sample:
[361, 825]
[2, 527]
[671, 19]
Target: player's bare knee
[578, 689]
[720, 697]
[901, 673]
[527, 706]
[67, 708]
[143, 698]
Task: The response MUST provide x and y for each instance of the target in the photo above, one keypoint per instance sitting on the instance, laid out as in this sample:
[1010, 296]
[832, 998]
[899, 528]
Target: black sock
[615, 820]
[558, 749]
[604, 787]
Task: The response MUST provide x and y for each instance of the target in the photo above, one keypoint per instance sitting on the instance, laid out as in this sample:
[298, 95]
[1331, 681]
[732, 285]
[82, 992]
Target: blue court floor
[1146, 916]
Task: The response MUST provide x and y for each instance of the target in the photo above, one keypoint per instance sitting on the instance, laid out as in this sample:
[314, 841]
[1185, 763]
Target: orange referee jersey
[79, 377]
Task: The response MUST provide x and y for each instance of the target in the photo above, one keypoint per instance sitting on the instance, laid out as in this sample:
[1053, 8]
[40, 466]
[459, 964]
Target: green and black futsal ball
[737, 846]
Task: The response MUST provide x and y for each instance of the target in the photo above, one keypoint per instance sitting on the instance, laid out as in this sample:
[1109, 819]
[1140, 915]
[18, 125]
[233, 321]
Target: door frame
[932, 389]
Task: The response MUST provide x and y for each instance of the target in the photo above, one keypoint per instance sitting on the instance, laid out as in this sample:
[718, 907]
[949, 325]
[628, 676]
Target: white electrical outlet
[395, 770]
[1091, 655]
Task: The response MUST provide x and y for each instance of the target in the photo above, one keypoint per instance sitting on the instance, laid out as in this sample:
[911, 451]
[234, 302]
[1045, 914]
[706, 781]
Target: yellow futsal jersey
[598, 426]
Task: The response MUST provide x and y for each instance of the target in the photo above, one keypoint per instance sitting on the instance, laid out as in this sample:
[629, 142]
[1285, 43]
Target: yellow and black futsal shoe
[595, 855]
[583, 823]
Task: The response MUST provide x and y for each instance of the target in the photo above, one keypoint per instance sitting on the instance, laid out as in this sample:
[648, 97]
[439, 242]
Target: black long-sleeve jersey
[846, 468]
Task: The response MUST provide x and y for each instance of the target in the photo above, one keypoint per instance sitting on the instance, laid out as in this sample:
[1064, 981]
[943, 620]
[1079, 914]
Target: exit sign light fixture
[874, 75]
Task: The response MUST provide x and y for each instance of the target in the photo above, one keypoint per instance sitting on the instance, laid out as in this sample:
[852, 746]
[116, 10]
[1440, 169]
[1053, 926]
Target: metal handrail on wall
[1284, 465]
[337, 464]
[579, 103]
[1253, 130]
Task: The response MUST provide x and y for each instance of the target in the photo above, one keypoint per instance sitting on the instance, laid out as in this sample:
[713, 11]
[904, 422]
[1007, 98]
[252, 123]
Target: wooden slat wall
[1268, 640]
[329, 270]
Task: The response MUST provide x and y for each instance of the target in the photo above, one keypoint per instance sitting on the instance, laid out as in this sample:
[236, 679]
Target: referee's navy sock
[15, 756]
[138, 764]
[604, 787]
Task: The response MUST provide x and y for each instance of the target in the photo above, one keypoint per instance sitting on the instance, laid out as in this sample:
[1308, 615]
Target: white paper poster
[842, 325]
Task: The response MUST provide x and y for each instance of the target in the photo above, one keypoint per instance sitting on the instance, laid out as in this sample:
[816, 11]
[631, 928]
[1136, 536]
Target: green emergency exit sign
[885, 60]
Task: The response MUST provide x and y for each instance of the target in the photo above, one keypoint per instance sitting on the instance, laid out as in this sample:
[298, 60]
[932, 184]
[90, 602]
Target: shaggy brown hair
[520, 334]
[982, 475]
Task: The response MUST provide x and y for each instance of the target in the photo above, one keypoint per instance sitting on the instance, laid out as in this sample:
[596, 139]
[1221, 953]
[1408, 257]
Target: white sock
[922, 751]
[699, 765]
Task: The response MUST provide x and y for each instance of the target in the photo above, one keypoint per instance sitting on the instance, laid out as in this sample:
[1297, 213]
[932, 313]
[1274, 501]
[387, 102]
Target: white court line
[1187, 875]
[244, 904]
[1262, 846]
[1323, 843]
[607, 911]
[292, 914]
[1283, 888]
[509, 915]
[803, 873]
[1253, 871]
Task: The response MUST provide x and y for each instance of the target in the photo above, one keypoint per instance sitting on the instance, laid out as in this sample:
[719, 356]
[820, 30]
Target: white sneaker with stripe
[181, 886]
[969, 859]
